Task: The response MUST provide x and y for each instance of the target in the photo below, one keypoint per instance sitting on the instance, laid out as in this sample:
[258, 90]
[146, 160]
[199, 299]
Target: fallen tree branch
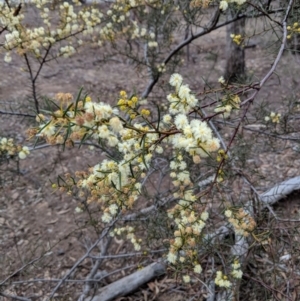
[279, 191]
[129, 283]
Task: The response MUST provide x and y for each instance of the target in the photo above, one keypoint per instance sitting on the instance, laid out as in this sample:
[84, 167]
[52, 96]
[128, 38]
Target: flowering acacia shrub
[135, 136]
[116, 184]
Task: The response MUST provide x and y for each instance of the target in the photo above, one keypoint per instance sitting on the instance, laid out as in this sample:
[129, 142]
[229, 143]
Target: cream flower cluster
[195, 137]
[274, 117]
[24, 152]
[294, 29]
[24, 39]
[8, 18]
[228, 104]
[111, 183]
[189, 222]
[120, 23]
[97, 24]
[236, 270]
[161, 68]
[222, 280]
[242, 222]
[188, 234]
[130, 236]
[98, 120]
[237, 38]
[28, 39]
[67, 51]
[182, 101]
[224, 3]
[236, 273]
[9, 149]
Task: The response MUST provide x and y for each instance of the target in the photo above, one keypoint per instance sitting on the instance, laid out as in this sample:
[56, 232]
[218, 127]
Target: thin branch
[75, 143]
[77, 280]
[55, 280]
[211, 27]
[21, 269]
[104, 233]
[15, 297]
[95, 268]
[127, 254]
[2, 30]
[17, 114]
[269, 288]
[36, 103]
[33, 78]
[278, 57]
[146, 210]
[289, 138]
[266, 14]
[42, 62]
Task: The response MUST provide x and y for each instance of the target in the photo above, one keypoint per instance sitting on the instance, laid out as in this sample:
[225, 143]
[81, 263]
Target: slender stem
[32, 78]
[17, 114]
[20, 269]
[67, 275]
[14, 297]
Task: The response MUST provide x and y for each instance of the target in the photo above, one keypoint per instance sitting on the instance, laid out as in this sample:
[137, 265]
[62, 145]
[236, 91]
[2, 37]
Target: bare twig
[210, 27]
[17, 114]
[278, 57]
[256, 130]
[104, 233]
[34, 78]
[13, 297]
[21, 269]
[127, 254]
[95, 268]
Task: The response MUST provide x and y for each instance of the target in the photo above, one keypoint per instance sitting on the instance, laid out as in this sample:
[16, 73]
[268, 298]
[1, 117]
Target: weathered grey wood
[279, 191]
[129, 283]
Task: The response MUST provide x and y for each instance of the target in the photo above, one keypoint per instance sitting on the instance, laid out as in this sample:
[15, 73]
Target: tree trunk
[235, 54]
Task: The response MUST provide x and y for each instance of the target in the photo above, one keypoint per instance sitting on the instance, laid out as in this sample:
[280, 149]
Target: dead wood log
[279, 191]
[129, 283]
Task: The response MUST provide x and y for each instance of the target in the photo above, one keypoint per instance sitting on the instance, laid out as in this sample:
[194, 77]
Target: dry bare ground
[39, 226]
